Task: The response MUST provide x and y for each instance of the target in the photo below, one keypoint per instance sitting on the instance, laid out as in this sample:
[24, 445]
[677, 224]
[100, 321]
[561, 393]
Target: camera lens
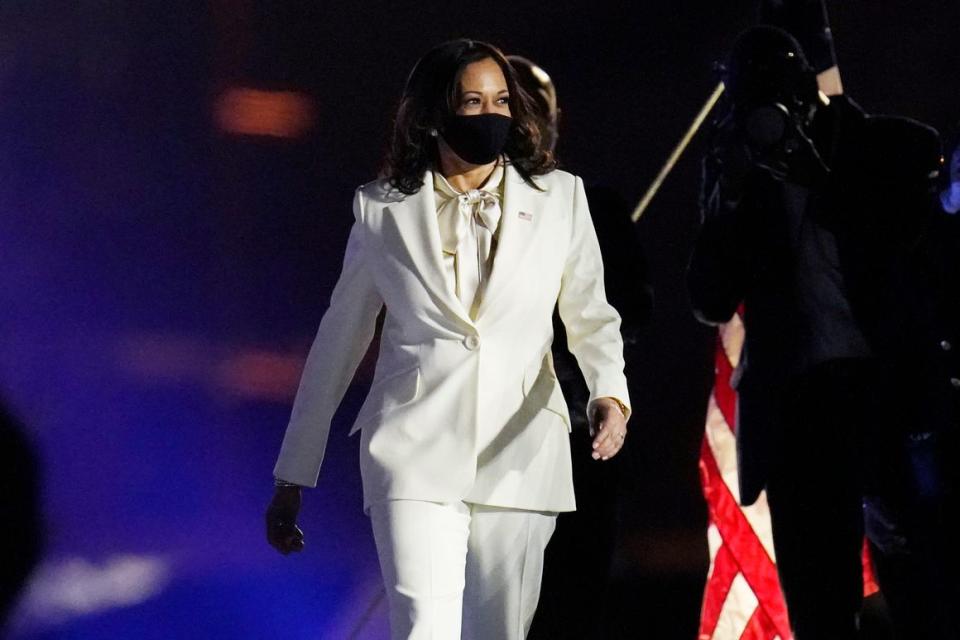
[766, 126]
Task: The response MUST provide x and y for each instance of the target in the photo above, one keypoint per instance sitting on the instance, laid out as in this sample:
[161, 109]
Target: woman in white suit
[469, 241]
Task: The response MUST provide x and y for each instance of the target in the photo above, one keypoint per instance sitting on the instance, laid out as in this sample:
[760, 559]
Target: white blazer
[460, 409]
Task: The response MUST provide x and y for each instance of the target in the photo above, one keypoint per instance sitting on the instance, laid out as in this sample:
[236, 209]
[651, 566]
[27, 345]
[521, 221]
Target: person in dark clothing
[815, 215]
[19, 512]
[911, 532]
[578, 558]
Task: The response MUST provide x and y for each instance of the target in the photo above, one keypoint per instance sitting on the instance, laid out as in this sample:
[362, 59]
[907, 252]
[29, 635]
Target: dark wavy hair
[430, 95]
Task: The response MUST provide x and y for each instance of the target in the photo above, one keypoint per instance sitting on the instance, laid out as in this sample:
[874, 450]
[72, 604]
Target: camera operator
[813, 215]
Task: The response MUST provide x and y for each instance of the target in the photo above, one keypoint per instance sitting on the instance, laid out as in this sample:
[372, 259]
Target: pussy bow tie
[455, 220]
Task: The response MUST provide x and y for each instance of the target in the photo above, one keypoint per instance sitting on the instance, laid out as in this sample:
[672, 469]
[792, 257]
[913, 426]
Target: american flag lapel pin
[526, 216]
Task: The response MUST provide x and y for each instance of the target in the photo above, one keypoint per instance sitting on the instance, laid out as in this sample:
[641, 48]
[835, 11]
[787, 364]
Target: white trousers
[459, 568]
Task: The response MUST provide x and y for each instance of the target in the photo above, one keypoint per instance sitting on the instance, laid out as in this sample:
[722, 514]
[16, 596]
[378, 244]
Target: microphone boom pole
[677, 152]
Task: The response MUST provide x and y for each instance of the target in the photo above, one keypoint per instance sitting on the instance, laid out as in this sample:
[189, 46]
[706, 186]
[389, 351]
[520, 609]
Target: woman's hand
[283, 534]
[608, 426]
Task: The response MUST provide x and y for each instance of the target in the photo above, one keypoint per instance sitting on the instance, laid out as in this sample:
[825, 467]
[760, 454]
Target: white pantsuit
[460, 570]
[464, 409]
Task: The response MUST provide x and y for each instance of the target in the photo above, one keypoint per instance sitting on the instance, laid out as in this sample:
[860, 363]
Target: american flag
[742, 599]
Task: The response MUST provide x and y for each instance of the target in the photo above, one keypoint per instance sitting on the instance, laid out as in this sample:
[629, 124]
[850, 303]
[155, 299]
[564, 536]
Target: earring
[433, 132]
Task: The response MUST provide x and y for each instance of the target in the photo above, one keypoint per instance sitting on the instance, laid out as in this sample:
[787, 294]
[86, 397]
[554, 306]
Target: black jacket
[876, 201]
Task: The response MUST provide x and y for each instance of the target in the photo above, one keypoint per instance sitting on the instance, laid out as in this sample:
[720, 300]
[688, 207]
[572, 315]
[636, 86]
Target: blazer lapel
[522, 215]
[415, 220]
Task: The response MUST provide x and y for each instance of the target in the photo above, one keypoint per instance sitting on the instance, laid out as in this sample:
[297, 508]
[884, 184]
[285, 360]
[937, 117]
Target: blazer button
[955, 383]
[945, 345]
[472, 342]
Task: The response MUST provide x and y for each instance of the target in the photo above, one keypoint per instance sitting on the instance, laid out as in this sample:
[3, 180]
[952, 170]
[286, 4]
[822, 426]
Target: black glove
[283, 534]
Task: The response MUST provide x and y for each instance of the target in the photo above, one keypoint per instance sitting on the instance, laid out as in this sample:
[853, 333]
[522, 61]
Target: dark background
[160, 280]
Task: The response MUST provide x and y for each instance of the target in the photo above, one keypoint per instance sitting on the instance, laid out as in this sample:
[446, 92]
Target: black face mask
[477, 139]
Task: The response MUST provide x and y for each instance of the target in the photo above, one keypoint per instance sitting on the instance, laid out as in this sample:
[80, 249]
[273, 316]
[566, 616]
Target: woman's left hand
[608, 426]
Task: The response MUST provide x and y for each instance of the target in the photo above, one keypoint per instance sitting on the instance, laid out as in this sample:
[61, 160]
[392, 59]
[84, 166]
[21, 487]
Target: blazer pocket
[540, 386]
[385, 396]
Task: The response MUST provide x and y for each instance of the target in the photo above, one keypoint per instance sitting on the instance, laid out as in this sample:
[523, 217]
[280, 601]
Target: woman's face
[483, 89]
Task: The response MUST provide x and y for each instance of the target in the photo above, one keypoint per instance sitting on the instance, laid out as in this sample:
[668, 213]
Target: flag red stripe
[758, 627]
[725, 569]
[769, 628]
[755, 564]
[870, 585]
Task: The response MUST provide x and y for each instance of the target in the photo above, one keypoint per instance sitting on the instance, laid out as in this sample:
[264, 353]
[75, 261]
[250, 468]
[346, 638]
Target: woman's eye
[504, 100]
